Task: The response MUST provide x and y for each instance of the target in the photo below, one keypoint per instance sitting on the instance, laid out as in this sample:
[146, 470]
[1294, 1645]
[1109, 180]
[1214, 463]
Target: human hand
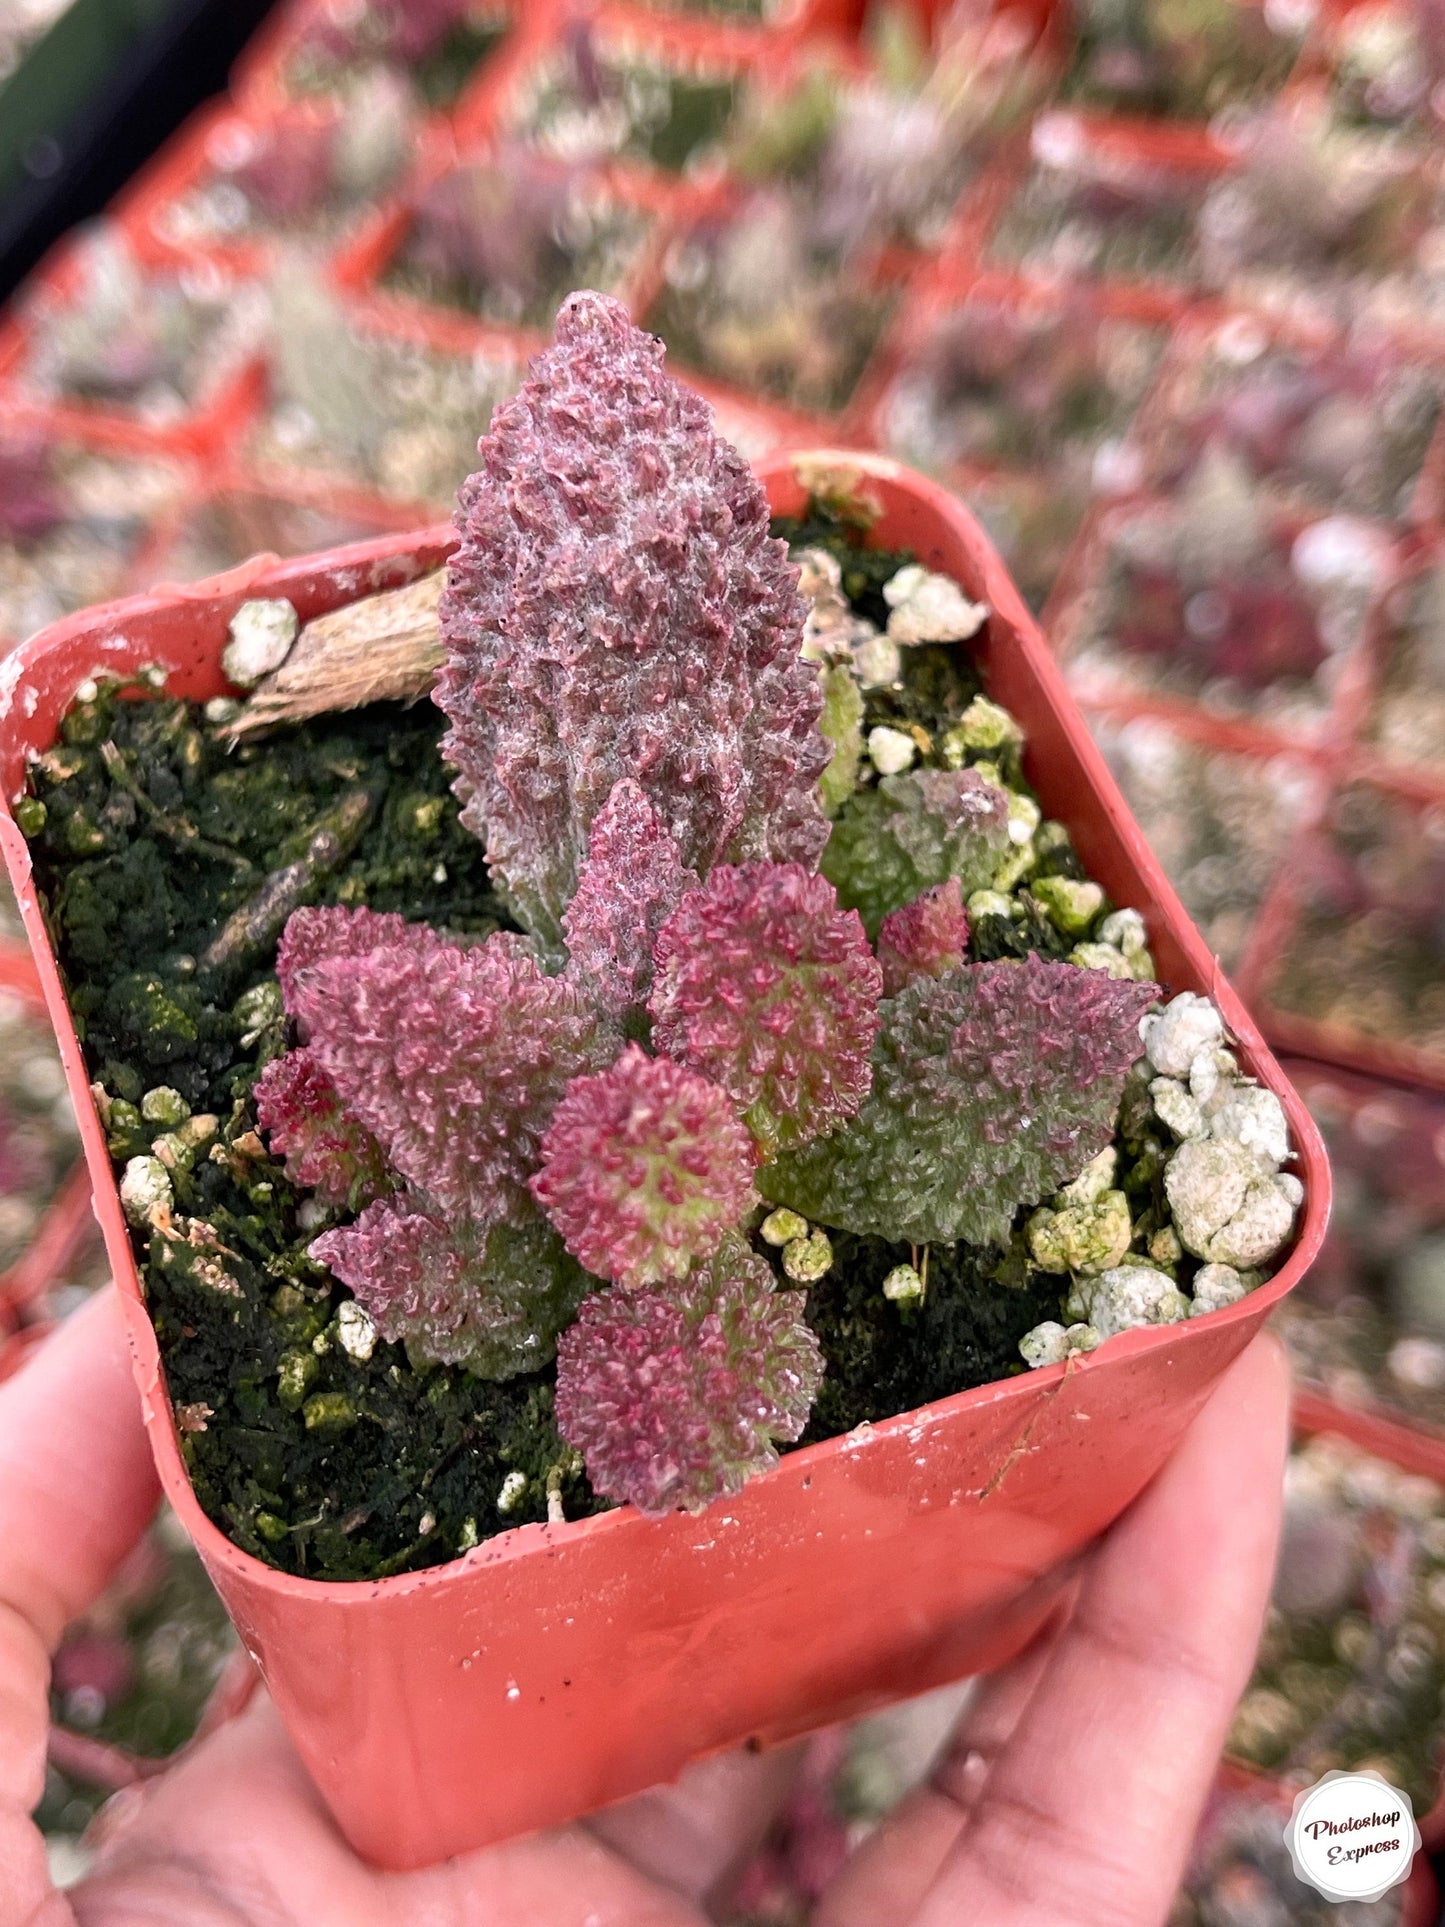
[1067, 1796]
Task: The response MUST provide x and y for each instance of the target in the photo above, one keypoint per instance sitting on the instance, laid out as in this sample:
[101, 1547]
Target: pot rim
[373, 564]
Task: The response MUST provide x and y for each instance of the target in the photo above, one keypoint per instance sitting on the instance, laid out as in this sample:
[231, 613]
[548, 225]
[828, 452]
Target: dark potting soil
[168, 861]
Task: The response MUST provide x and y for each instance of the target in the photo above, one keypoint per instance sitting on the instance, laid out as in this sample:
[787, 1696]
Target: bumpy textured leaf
[992, 1087]
[313, 935]
[842, 725]
[677, 1395]
[457, 1293]
[644, 1168]
[325, 1149]
[914, 831]
[616, 609]
[453, 1059]
[631, 880]
[769, 989]
[925, 938]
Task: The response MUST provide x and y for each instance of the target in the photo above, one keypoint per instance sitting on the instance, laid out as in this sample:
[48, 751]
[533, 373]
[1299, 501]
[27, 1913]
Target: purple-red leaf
[769, 989]
[631, 880]
[325, 1148]
[617, 608]
[925, 938]
[489, 1297]
[677, 1395]
[453, 1059]
[644, 1168]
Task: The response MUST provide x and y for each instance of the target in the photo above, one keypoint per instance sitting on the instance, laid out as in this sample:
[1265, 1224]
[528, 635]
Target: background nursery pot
[556, 1668]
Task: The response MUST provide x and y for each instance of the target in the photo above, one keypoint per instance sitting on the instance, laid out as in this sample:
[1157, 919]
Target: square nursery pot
[556, 1668]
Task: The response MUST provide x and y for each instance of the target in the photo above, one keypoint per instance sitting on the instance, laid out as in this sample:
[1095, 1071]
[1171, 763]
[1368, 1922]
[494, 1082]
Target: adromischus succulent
[325, 1149]
[645, 1168]
[630, 882]
[767, 987]
[925, 938]
[313, 936]
[912, 832]
[492, 1298]
[676, 1397]
[992, 1086]
[617, 608]
[576, 1117]
[451, 1058]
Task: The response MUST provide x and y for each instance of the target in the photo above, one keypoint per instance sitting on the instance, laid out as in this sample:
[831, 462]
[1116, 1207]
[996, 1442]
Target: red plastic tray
[1413, 1451]
[60, 281]
[260, 79]
[148, 208]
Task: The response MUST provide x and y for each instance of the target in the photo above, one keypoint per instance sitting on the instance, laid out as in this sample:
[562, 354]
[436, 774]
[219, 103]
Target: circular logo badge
[1352, 1836]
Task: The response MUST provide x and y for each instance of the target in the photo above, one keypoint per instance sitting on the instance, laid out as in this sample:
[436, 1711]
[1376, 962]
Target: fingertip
[1257, 1389]
[77, 1481]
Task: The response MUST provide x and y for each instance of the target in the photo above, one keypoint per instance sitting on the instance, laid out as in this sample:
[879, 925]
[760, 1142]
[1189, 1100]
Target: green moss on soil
[883, 1359]
[156, 835]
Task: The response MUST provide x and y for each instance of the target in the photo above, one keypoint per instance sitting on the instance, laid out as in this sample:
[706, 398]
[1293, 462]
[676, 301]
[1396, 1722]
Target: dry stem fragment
[385, 648]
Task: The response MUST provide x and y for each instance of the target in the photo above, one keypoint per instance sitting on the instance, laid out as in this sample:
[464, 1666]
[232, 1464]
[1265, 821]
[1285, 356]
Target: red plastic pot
[676, 43]
[1421, 774]
[213, 143]
[1173, 435]
[1387, 1147]
[362, 265]
[1134, 156]
[557, 1668]
[68, 1221]
[18, 973]
[256, 516]
[62, 1235]
[1017, 301]
[1078, 603]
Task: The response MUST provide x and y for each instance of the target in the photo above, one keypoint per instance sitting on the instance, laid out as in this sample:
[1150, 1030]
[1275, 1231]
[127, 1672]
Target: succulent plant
[29, 504]
[765, 986]
[456, 1293]
[402, 30]
[914, 831]
[324, 1148]
[925, 938]
[451, 1058]
[676, 1397]
[644, 1168]
[584, 1116]
[491, 228]
[290, 174]
[507, 237]
[992, 1086]
[617, 608]
[316, 936]
[1312, 199]
[631, 880]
